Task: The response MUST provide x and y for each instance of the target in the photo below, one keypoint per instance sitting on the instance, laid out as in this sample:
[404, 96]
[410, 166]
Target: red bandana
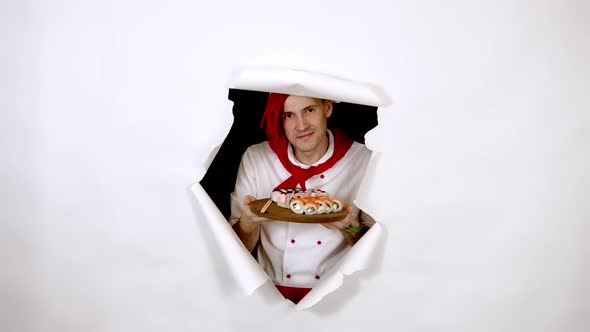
[279, 144]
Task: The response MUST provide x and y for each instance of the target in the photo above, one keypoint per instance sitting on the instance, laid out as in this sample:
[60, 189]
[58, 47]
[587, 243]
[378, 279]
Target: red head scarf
[279, 144]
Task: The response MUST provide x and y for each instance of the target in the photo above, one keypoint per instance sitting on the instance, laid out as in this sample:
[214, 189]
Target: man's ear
[329, 107]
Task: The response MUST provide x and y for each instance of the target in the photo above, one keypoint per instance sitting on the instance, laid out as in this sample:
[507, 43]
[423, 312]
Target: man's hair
[271, 119]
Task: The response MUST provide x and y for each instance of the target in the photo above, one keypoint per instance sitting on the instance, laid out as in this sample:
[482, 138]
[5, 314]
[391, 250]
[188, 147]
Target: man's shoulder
[258, 150]
[359, 148]
[258, 147]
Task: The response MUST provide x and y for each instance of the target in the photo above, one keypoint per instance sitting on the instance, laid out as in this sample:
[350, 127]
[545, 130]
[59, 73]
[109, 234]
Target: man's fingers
[249, 199]
[246, 212]
[353, 209]
[330, 226]
[336, 224]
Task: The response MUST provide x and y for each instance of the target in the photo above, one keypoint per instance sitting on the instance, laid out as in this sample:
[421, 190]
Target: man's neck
[311, 157]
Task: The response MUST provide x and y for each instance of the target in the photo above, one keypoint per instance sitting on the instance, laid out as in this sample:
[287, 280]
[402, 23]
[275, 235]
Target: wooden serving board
[276, 212]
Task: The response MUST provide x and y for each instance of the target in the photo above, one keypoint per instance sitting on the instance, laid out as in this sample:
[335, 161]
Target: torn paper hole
[305, 260]
[213, 193]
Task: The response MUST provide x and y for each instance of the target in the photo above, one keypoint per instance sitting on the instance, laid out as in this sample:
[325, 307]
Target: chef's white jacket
[299, 254]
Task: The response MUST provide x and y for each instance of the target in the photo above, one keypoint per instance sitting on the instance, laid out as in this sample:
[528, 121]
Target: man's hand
[248, 218]
[248, 227]
[349, 225]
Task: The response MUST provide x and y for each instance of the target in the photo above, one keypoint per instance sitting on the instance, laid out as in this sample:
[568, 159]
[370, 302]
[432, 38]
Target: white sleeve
[245, 185]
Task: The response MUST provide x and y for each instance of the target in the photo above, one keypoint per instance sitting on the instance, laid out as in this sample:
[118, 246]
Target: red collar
[300, 175]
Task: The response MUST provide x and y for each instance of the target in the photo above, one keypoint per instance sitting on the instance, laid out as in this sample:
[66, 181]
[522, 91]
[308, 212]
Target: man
[300, 152]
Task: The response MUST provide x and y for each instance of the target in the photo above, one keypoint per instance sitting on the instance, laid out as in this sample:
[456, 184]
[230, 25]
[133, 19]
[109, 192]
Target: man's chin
[303, 147]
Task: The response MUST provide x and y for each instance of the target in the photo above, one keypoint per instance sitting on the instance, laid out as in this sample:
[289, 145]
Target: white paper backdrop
[109, 110]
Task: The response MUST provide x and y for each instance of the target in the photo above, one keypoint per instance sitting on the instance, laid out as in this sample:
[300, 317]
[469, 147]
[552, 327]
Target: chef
[301, 152]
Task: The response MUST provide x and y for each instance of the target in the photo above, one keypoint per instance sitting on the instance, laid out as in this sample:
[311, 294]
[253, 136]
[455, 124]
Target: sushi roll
[318, 193]
[311, 201]
[310, 207]
[328, 203]
[275, 196]
[322, 206]
[300, 194]
[337, 205]
[289, 197]
[304, 194]
[283, 201]
[297, 205]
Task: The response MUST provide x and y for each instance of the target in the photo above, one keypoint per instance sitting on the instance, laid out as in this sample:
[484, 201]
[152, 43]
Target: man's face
[305, 121]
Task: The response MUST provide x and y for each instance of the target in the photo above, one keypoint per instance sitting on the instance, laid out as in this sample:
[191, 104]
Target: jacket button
[319, 242]
[292, 240]
[317, 277]
[322, 176]
[289, 276]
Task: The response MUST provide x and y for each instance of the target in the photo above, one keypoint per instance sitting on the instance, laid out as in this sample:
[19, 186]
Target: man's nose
[301, 123]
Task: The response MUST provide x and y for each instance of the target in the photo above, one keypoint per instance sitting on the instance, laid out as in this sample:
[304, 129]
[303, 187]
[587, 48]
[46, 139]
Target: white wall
[110, 108]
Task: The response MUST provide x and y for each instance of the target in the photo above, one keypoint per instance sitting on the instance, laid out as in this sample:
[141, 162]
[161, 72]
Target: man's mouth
[304, 136]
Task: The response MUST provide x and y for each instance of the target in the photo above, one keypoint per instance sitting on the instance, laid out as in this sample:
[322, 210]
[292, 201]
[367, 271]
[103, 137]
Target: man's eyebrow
[303, 108]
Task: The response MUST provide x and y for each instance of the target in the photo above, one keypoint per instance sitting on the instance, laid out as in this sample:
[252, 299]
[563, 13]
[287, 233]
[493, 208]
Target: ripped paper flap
[248, 273]
[310, 84]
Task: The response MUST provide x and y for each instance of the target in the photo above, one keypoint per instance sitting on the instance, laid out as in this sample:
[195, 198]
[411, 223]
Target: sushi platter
[296, 205]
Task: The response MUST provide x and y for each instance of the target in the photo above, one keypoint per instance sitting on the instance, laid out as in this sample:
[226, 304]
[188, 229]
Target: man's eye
[287, 116]
[309, 110]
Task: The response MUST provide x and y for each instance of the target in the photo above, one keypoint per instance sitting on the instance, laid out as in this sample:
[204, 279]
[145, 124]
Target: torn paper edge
[356, 259]
[250, 276]
[244, 268]
[310, 84]
[364, 199]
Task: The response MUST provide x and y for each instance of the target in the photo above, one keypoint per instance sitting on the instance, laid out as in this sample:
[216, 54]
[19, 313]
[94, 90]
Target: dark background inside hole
[353, 119]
